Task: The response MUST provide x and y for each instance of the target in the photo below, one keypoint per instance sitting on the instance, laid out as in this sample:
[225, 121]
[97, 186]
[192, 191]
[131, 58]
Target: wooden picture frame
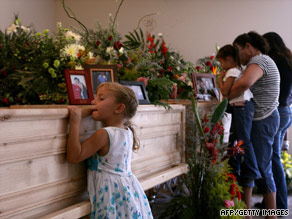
[139, 88]
[100, 74]
[78, 86]
[205, 87]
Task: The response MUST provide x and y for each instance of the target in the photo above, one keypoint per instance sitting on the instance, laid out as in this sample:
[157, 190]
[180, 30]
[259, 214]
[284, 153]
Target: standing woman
[283, 59]
[262, 77]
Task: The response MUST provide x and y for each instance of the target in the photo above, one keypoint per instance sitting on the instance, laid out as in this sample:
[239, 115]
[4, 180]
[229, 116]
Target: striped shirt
[266, 89]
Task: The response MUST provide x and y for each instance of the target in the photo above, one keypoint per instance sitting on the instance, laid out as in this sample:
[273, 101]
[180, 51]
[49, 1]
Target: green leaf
[219, 112]
[197, 118]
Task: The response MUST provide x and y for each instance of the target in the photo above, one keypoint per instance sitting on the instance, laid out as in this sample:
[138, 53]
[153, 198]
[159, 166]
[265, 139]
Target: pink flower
[119, 66]
[228, 203]
[183, 77]
[144, 80]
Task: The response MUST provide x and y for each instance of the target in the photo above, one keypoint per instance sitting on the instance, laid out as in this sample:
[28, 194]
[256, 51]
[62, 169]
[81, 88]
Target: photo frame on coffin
[205, 87]
[100, 74]
[78, 86]
[139, 88]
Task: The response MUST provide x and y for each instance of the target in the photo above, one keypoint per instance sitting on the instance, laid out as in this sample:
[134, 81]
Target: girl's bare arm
[77, 152]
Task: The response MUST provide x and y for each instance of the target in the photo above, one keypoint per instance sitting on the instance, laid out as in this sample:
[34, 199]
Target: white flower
[178, 62]
[171, 57]
[70, 35]
[25, 29]
[160, 34]
[11, 28]
[110, 50]
[190, 84]
[78, 67]
[121, 50]
[178, 68]
[90, 55]
[72, 50]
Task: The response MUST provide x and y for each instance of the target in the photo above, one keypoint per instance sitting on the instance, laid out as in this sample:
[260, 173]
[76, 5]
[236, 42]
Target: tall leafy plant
[209, 182]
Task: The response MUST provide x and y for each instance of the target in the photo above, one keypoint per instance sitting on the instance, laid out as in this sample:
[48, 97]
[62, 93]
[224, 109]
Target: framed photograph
[78, 86]
[100, 74]
[205, 87]
[139, 88]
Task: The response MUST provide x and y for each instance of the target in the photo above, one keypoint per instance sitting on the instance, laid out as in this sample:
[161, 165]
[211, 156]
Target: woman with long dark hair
[283, 59]
[262, 77]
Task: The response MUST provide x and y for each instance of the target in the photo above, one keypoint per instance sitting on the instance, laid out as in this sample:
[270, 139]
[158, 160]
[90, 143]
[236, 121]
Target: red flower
[163, 48]
[110, 38]
[150, 38]
[5, 101]
[169, 68]
[206, 130]
[198, 68]
[208, 63]
[238, 194]
[174, 91]
[4, 72]
[218, 128]
[117, 45]
[98, 43]
[161, 62]
[212, 57]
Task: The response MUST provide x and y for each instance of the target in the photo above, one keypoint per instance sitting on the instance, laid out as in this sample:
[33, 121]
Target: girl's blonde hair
[126, 96]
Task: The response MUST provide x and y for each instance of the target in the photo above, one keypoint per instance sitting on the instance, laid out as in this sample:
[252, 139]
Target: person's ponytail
[136, 143]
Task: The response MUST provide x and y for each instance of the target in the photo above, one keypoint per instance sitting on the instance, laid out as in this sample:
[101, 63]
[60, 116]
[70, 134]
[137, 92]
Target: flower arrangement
[287, 165]
[209, 64]
[209, 182]
[30, 59]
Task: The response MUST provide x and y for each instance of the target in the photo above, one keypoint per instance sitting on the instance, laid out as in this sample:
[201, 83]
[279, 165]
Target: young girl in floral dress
[113, 190]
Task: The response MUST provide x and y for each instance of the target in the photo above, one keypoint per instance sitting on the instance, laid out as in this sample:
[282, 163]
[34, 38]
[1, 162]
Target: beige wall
[192, 27]
[39, 13]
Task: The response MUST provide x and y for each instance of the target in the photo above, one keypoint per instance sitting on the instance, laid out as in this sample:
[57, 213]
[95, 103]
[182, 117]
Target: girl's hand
[75, 114]
[222, 74]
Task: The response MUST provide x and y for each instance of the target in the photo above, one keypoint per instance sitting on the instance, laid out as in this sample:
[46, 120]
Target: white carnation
[72, 50]
[70, 35]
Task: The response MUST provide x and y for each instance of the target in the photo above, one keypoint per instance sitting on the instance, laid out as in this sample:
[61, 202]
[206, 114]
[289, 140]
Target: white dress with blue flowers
[113, 190]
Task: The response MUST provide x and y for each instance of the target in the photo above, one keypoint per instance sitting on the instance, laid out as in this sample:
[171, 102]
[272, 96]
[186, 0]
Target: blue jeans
[262, 137]
[244, 167]
[278, 171]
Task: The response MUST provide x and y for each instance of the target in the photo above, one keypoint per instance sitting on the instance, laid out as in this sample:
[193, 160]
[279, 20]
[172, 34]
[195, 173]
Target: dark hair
[77, 79]
[256, 40]
[228, 51]
[278, 50]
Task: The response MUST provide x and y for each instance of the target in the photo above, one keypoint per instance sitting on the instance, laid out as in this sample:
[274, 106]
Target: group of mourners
[257, 80]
